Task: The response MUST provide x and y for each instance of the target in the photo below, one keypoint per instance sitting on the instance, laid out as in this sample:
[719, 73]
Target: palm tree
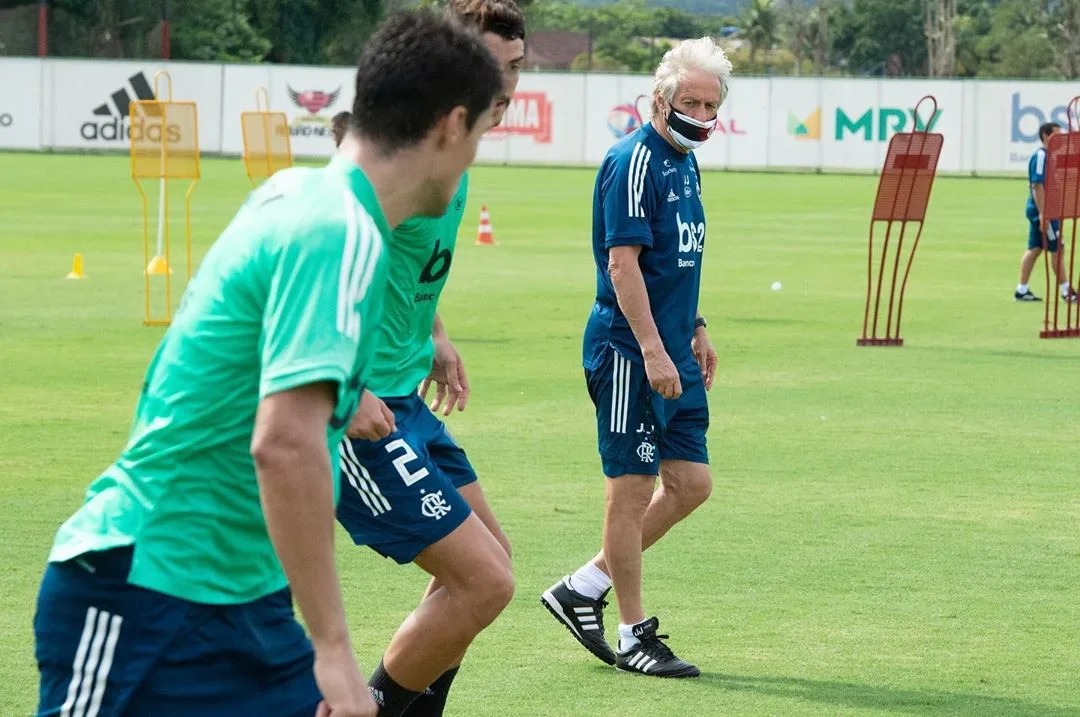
[798, 31]
[760, 26]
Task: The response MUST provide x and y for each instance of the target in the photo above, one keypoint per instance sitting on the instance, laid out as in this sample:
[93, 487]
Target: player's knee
[630, 496]
[495, 593]
[691, 490]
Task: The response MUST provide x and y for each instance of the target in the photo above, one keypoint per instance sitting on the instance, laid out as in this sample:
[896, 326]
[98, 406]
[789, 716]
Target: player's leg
[1027, 263]
[455, 464]
[685, 483]
[397, 499]
[626, 423]
[475, 585]
[1057, 260]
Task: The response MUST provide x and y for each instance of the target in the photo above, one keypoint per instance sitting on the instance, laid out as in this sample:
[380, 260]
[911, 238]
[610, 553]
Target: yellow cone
[158, 266]
[76, 268]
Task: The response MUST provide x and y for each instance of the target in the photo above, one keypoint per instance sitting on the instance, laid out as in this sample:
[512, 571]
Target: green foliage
[760, 27]
[993, 38]
[871, 32]
[627, 36]
[209, 30]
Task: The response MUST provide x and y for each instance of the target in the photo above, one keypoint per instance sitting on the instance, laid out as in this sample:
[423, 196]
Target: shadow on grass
[847, 694]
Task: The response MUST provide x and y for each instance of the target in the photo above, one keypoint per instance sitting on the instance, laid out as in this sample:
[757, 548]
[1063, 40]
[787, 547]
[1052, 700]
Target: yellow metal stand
[164, 146]
[267, 142]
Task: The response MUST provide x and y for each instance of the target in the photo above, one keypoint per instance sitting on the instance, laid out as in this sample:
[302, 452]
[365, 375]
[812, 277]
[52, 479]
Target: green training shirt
[420, 254]
[289, 295]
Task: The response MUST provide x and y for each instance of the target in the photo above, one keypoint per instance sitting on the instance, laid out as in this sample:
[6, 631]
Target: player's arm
[1037, 178]
[628, 201]
[295, 485]
[310, 339]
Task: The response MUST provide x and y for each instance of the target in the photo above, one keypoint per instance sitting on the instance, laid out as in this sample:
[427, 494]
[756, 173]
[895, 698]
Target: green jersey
[420, 255]
[287, 296]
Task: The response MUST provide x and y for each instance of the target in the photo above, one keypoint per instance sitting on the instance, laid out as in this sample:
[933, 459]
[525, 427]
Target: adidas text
[120, 129]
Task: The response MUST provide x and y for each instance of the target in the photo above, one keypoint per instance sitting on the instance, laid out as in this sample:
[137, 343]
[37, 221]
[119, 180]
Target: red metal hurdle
[1062, 204]
[907, 178]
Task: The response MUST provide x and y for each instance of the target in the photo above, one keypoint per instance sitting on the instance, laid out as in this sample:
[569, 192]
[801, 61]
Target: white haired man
[648, 360]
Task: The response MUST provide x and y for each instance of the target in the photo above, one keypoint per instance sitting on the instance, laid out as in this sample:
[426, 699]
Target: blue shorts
[1035, 238]
[400, 495]
[636, 427]
[111, 649]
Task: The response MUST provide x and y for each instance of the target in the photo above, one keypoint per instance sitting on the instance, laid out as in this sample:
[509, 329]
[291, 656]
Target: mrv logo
[691, 240]
[116, 125]
[1026, 120]
[890, 120]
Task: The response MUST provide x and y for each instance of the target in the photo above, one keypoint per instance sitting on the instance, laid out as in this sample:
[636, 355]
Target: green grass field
[891, 532]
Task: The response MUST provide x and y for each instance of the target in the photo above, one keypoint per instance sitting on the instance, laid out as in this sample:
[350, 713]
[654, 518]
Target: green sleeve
[311, 323]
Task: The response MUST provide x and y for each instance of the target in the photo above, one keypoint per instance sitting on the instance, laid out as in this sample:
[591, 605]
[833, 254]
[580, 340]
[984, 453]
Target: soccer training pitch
[892, 531]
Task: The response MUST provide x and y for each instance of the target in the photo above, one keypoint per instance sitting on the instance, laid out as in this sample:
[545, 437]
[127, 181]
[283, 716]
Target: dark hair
[415, 69]
[1047, 129]
[502, 17]
[339, 125]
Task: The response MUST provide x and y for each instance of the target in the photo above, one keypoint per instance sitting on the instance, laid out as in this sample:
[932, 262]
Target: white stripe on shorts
[620, 393]
[93, 661]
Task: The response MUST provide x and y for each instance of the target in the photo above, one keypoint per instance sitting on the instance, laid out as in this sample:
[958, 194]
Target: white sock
[1065, 289]
[627, 641]
[1021, 288]
[590, 581]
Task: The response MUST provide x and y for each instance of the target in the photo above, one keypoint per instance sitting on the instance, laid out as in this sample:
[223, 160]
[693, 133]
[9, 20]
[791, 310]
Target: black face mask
[687, 131]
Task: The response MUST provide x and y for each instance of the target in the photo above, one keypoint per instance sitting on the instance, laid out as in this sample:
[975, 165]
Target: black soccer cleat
[651, 656]
[1026, 296]
[582, 616]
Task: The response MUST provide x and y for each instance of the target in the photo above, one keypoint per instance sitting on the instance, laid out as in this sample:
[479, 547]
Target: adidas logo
[117, 128]
[672, 196]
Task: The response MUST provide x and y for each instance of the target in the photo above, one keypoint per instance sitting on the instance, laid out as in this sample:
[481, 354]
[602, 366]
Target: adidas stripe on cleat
[651, 656]
[582, 616]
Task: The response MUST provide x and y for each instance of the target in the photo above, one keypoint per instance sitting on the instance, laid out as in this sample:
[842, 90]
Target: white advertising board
[21, 93]
[555, 118]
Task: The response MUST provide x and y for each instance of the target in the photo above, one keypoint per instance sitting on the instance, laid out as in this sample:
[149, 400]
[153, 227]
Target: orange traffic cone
[484, 235]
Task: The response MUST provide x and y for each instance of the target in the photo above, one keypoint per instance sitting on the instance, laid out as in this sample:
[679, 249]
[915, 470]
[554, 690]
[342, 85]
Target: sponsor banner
[543, 123]
[241, 84]
[21, 88]
[741, 138]
[92, 100]
[795, 124]
[555, 118]
[617, 105]
[310, 97]
[1008, 118]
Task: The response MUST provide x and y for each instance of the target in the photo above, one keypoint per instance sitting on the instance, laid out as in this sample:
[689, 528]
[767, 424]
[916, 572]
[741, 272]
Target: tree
[215, 31]
[940, 28]
[760, 25]
[797, 30]
[873, 34]
[1065, 36]
[1018, 44]
[819, 35]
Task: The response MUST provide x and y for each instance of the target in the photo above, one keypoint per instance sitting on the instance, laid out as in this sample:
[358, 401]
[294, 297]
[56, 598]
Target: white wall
[830, 123]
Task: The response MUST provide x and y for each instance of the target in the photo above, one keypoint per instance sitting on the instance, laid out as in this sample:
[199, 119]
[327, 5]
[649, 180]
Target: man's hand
[705, 355]
[661, 372]
[372, 421]
[448, 373]
[344, 689]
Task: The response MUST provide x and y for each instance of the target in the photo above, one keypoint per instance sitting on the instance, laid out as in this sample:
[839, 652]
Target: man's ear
[452, 127]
